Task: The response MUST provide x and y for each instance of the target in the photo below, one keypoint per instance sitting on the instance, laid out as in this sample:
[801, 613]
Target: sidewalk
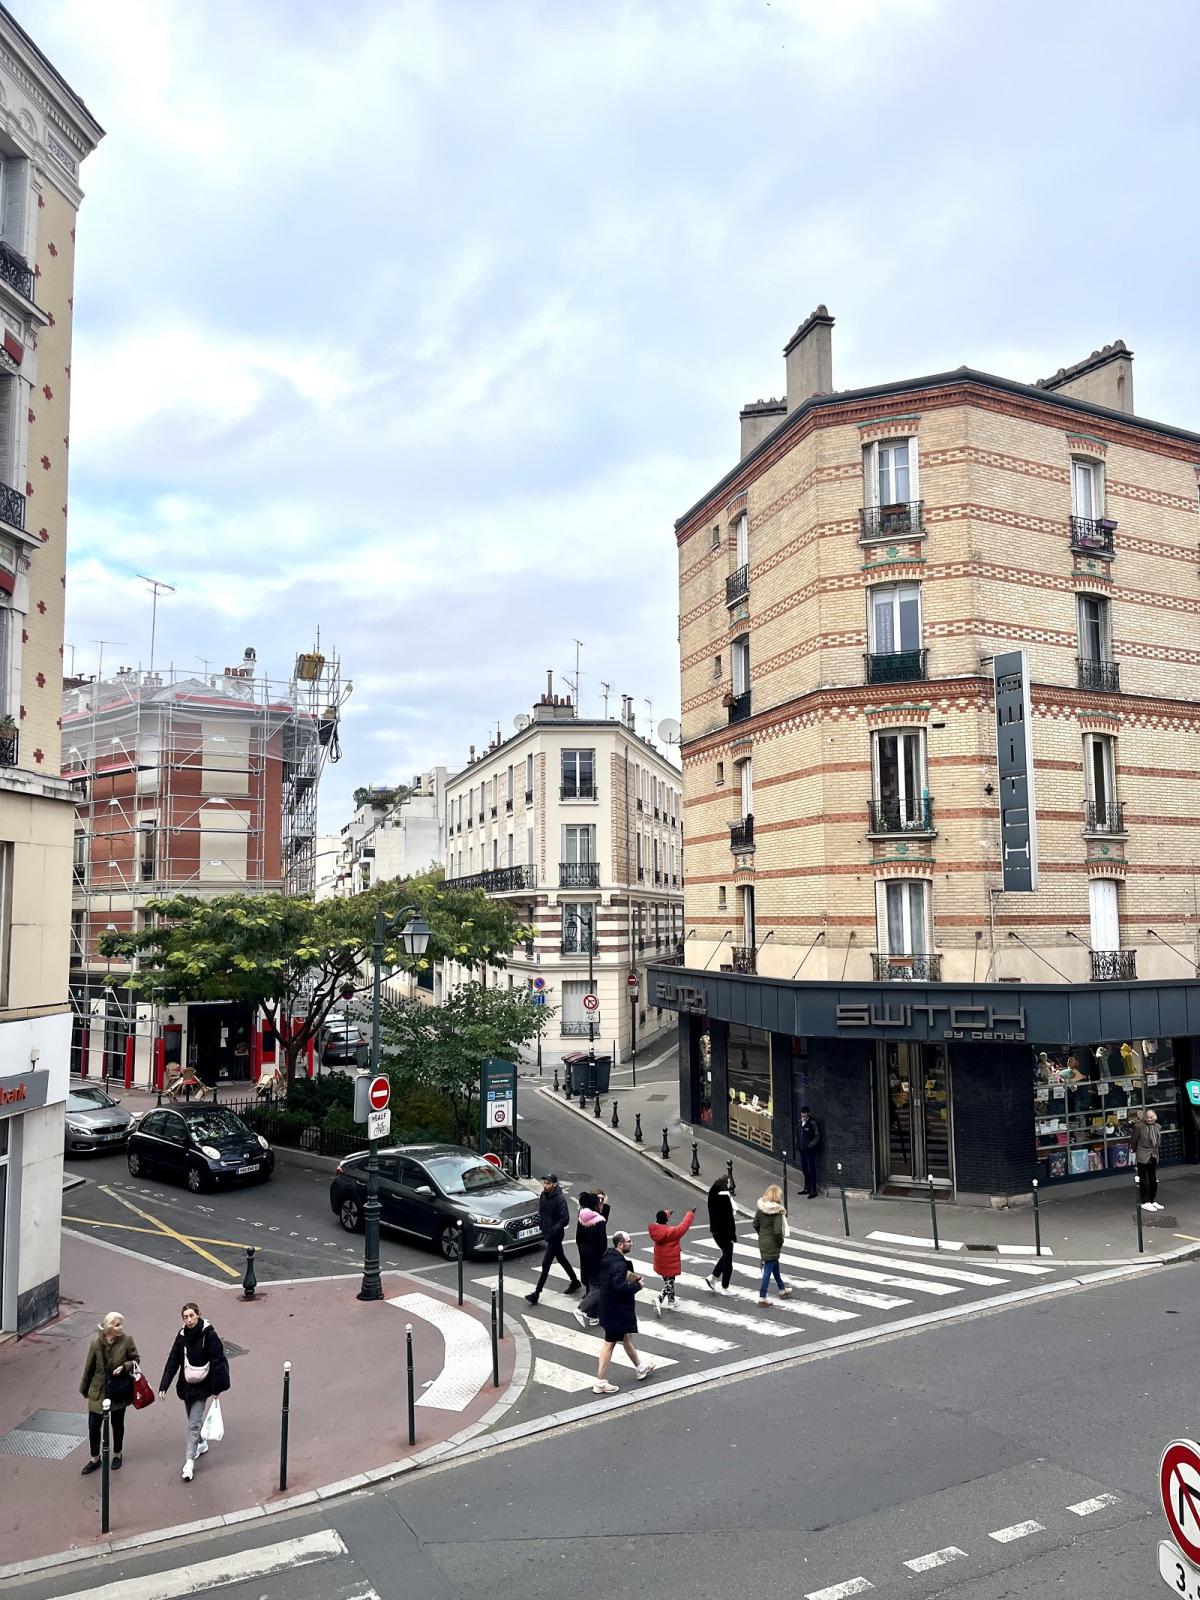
[1079, 1225]
[348, 1412]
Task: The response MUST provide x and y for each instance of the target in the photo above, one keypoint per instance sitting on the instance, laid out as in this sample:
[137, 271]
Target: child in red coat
[668, 1261]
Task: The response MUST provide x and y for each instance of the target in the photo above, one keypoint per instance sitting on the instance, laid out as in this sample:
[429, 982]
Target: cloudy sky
[420, 323]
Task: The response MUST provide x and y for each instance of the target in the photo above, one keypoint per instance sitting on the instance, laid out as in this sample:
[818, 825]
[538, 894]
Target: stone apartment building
[578, 824]
[940, 670]
[392, 835]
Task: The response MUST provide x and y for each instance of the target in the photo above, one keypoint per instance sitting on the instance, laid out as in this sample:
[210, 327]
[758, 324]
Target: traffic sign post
[379, 1124]
[1179, 1491]
[497, 1100]
[380, 1092]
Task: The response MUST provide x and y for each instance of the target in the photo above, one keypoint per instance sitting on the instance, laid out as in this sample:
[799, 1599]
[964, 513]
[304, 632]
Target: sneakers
[606, 1388]
[763, 1301]
[532, 1298]
[785, 1294]
[658, 1305]
[1158, 1205]
[644, 1371]
[575, 1287]
[188, 1468]
[711, 1283]
[202, 1448]
[580, 1317]
[1148, 1205]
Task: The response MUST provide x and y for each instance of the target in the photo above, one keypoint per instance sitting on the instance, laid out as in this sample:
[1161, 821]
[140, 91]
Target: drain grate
[52, 1435]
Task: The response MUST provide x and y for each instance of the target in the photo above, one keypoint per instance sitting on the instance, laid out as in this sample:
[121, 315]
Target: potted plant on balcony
[727, 698]
[8, 726]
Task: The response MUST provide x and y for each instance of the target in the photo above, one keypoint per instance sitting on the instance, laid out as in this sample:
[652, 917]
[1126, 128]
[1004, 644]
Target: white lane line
[1019, 1530]
[836, 1291]
[648, 1327]
[710, 1308]
[922, 1269]
[1084, 1508]
[237, 1567]
[840, 1591]
[936, 1558]
[583, 1344]
[553, 1375]
[468, 1356]
[916, 1241]
[835, 1269]
[1024, 1250]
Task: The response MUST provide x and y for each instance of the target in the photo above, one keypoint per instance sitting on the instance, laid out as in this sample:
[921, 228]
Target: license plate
[528, 1233]
[1175, 1569]
[253, 1167]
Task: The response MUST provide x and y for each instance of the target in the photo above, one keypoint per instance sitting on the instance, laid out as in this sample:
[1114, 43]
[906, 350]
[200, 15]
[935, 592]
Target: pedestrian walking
[1147, 1137]
[809, 1139]
[619, 1284]
[666, 1238]
[722, 1224]
[591, 1233]
[553, 1214]
[770, 1224]
[198, 1357]
[108, 1375]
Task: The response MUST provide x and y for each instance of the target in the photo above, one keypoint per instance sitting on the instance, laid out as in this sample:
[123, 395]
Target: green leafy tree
[292, 957]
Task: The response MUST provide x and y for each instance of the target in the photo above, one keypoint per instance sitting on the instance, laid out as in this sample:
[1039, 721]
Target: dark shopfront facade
[984, 1087]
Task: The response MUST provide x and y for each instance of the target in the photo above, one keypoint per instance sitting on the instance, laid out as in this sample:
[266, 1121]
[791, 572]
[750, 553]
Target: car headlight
[485, 1222]
[263, 1142]
[76, 1127]
[207, 1150]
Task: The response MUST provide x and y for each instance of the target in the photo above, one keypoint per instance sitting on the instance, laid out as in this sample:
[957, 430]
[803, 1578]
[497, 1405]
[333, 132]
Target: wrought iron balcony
[741, 834]
[529, 797]
[577, 940]
[9, 749]
[1092, 535]
[493, 811]
[743, 958]
[739, 706]
[906, 969]
[902, 816]
[1119, 966]
[500, 880]
[1109, 818]
[577, 791]
[1102, 675]
[737, 584]
[641, 804]
[576, 1030]
[12, 506]
[578, 874]
[641, 872]
[16, 271]
[891, 522]
[896, 666]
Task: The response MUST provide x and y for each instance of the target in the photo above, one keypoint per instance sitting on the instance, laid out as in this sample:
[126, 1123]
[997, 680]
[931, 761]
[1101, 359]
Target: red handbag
[143, 1392]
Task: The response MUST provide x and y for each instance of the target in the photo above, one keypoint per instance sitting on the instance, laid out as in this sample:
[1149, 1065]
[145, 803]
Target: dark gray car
[94, 1121]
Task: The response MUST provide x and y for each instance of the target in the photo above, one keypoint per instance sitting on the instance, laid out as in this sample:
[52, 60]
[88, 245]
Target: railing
[297, 1130]
[508, 805]
[578, 874]
[529, 797]
[12, 506]
[739, 706]
[9, 749]
[516, 1156]
[1118, 966]
[1093, 535]
[641, 804]
[741, 834]
[493, 811]
[575, 1030]
[577, 791]
[577, 941]
[16, 271]
[743, 958]
[906, 969]
[1102, 675]
[902, 816]
[1108, 818]
[891, 522]
[500, 880]
[896, 666]
[737, 584]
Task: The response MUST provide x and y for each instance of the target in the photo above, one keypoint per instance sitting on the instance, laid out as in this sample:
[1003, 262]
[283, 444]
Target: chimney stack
[1105, 378]
[809, 357]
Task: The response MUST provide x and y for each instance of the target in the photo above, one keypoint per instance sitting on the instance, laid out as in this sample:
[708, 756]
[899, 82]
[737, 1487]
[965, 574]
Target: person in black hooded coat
[592, 1242]
[198, 1357]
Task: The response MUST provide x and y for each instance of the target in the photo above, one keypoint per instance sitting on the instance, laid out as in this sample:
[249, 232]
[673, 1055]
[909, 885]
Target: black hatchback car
[202, 1145]
[428, 1189]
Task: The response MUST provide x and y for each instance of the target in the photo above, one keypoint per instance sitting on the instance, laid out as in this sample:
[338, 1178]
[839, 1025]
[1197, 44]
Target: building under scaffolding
[200, 784]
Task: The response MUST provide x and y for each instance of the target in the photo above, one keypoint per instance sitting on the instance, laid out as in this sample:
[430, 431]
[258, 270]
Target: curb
[1184, 1252]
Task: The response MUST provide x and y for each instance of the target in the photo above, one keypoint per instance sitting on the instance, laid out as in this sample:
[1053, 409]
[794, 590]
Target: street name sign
[379, 1124]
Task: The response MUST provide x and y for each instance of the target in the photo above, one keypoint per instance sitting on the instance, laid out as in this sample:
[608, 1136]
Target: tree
[292, 957]
[383, 795]
[441, 1047]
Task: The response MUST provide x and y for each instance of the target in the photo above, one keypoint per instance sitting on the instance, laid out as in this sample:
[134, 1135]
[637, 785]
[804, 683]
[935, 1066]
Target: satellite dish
[522, 721]
[669, 731]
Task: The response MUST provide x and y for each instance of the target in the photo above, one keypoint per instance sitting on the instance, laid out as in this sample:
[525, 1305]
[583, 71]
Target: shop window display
[1086, 1099]
[750, 1107]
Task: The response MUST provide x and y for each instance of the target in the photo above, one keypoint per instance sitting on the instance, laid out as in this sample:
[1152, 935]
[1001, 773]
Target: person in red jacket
[668, 1262]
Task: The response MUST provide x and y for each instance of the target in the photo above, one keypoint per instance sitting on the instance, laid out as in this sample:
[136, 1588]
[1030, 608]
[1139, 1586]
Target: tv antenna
[157, 587]
[607, 687]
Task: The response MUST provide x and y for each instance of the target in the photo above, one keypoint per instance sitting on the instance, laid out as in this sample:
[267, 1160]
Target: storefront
[981, 1089]
[32, 1095]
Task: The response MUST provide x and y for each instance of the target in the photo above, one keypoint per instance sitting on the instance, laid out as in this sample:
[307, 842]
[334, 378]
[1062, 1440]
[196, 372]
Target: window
[579, 844]
[722, 898]
[749, 1076]
[716, 537]
[10, 432]
[717, 666]
[890, 472]
[509, 795]
[899, 779]
[746, 787]
[495, 854]
[639, 854]
[895, 619]
[8, 636]
[903, 911]
[511, 861]
[1099, 751]
[146, 831]
[471, 807]
[720, 774]
[1094, 641]
[529, 777]
[1087, 489]
[14, 191]
[1105, 914]
[749, 938]
[578, 927]
[579, 775]
[741, 533]
[740, 663]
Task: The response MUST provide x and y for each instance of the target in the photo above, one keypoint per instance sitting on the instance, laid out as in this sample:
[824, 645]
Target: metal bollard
[583, 1098]
[695, 1160]
[105, 1450]
[556, 1084]
[933, 1213]
[412, 1395]
[1137, 1212]
[500, 1289]
[637, 1127]
[250, 1281]
[597, 1108]
[495, 1347]
[845, 1212]
[283, 1425]
[1037, 1221]
[666, 1148]
[783, 1156]
[461, 1253]
[729, 1175]
[616, 1121]
[567, 1089]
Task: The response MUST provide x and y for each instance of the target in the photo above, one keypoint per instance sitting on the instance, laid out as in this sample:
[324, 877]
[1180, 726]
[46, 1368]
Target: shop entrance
[912, 1097]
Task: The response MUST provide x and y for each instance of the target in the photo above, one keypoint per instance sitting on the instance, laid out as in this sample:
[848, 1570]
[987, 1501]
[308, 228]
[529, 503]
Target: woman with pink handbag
[198, 1358]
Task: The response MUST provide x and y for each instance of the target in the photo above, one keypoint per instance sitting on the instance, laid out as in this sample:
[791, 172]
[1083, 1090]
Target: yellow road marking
[1195, 1238]
[169, 1232]
[132, 1227]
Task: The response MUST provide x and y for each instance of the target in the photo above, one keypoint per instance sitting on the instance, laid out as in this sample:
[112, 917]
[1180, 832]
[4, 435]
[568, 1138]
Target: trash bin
[587, 1075]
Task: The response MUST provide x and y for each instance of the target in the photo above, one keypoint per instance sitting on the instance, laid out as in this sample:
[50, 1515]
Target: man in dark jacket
[554, 1215]
[809, 1136]
[618, 1313]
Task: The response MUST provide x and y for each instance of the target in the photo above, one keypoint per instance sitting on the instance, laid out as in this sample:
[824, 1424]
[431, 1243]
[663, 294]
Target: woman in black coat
[591, 1238]
[618, 1314]
[198, 1357]
[722, 1224]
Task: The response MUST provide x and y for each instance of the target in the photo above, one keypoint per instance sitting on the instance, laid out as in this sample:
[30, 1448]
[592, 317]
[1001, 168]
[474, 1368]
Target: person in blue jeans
[770, 1224]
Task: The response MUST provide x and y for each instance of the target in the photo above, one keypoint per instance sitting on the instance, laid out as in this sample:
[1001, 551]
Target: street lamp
[414, 936]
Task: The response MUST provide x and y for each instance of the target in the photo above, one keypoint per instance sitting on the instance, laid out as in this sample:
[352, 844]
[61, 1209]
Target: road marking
[237, 1567]
[922, 1269]
[648, 1329]
[132, 1227]
[1023, 1250]
[555, 1376]
[840, 1591]
[1019, 1530]
[1084, 1508]
[834, 1291]
[916, 1240]
[835, 1269]
[582, 1344]
[936, 1558]
[467, 1364]
[170, 1233]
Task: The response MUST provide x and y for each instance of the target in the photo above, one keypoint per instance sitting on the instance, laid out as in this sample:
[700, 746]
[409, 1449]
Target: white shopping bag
[212, 1429]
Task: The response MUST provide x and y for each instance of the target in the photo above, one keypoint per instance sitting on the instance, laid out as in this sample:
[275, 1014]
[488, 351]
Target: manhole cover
[1159, 1219]
[656, 1097]
[52, 1435]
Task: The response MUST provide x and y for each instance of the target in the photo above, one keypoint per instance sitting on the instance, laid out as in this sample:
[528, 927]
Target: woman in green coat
[108, 1375]
[770, 1224]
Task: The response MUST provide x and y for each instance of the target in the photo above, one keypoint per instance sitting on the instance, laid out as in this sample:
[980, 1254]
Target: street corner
[148, 1221]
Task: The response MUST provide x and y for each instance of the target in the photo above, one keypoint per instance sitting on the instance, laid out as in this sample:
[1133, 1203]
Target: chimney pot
[809, 358]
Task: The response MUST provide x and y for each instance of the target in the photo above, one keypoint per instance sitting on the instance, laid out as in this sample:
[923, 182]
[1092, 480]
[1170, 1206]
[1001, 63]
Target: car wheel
[350, 1215]
[195, 1177]
[446, 1239]
[135, 1164]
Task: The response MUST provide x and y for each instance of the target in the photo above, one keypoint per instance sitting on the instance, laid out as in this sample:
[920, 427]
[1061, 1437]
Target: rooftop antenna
[607, 687]
[157, 587]
[670, 732]
[578, 675]
[100, 643]
[649, 704]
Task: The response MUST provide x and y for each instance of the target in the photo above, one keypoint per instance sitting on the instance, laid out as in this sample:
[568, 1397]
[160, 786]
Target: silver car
[95, 1121]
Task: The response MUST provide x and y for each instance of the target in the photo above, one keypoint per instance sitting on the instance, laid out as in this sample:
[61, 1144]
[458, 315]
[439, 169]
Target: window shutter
[8, 394]
[871, 475]
[914, 478]
[16, 187]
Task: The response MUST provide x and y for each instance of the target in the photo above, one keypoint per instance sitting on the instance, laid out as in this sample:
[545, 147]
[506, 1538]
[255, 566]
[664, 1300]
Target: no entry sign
[1179, 1486]
[379, 1093]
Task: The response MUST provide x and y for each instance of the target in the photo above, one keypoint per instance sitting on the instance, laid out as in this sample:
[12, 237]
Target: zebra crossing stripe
[583, 1344]
[555, 1376]
[835, 1269]
[239, 1566]
[839, 1291]
[920, 1269]
[710, 1308]
[647, 1328]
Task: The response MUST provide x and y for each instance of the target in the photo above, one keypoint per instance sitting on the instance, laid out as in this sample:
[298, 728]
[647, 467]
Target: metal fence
[295, 1129]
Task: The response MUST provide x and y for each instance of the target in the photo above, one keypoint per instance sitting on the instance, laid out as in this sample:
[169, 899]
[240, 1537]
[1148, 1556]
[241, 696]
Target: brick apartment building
[940, 671]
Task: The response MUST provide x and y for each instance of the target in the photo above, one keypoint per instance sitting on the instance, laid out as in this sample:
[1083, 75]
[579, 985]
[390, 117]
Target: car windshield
[89, 1100]
[466, 1175]
[217, 1124]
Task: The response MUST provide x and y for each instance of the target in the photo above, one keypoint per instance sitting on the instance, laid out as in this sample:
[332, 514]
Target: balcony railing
[9, 749]
[1092, 535]
[12, 506]
[737, 584]
[576, 1030]
[743, 958]
[1102, 675]
[891, 522]
[16, 271]
[902, 816]
[641, 804]
[578, 874]
[577, 940]
[906, 969]
[577, 791]
[896, 666]
[493, 811]
[529, 797]
[739, 706]
[1109, 818]
[1109, 966]
[500, 880]
[508, 805]
[741, 834]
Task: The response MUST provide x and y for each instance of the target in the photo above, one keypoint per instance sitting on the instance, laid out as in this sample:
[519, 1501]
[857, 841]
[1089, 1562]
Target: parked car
[428, 1189]
[94, 1121]
[342, 1051]
[201, 1144]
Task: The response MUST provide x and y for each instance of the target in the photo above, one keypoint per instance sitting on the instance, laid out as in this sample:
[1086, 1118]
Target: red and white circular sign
[591, 1002]
[492, 1159]
[380, 1093]
[632, 980]
[1179, 1486]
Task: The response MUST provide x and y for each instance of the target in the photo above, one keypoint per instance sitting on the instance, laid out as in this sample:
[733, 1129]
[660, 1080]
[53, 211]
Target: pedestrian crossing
[836, 1288]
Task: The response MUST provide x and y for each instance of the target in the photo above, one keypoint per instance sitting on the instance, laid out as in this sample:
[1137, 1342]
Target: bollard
[783, 1157]
[495, 1347]
[557, 1089]
[583, 1098]
[933, 1213]
[666, 1148]
[567, 1089]
[597, 1105]
[105, 1448]
[695, 1160]
[249, 1282]
[729, 1175]
[412, 1396]
[1037, 1221]
[637, 1127]
[845, 1212]
[500, 1290]
[283, 1425]
[616, 1121]
[460, 1262]
[1137, 1213]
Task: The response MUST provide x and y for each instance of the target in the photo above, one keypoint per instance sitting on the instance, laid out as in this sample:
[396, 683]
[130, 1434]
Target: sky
[420, 324]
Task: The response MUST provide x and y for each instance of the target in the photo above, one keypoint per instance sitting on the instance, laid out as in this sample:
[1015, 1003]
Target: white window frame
[871, 469]
[529, 773]
[580, 837]
[1091, 472]
[1106, 745]
[570, 759]
[1104, 914]
[741, 537]
[716, 538]
[1104, 619]
[896, 591]
[6, 893]
[739, 663]
[900, 892]
[745, 773]
[908, 802]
